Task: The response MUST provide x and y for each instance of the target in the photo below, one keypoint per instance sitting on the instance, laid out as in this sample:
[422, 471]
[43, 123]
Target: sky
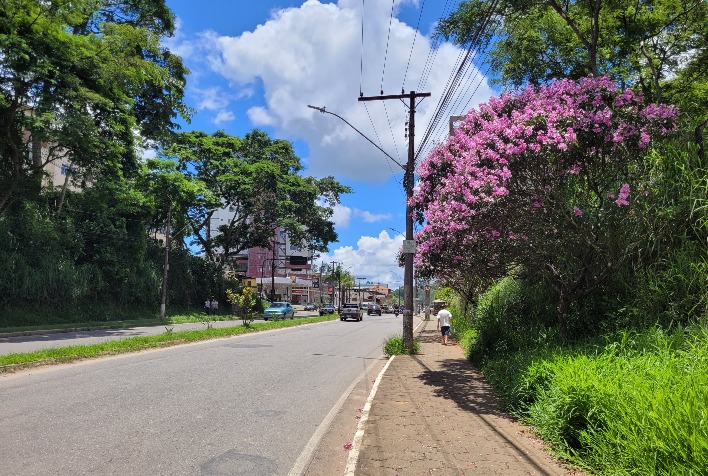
[259, 64]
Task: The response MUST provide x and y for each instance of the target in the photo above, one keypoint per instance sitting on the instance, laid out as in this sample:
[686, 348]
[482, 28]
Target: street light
[408, 183]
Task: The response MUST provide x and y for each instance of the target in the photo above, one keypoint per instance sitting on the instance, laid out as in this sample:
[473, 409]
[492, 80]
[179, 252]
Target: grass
[74, 353]
[393, 345]
[636, 404]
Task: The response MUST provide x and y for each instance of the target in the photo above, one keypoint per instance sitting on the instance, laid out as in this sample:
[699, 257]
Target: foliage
[393, 345]
[525, 182]
[245, 304]
[83, 82]
[641, 43]
[634, 405]
[255, 181]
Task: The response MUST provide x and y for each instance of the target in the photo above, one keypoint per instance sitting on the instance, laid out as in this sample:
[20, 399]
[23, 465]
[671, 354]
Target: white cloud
[369, 217]
[311, 55]
[341, 216]
[223, 116]
[260, 116]
[374, 259]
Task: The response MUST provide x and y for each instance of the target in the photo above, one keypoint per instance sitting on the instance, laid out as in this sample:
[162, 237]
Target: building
[283, 273]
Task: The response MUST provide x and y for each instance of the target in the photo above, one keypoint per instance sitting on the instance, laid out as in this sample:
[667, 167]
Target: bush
[393, 345]
[634, 405]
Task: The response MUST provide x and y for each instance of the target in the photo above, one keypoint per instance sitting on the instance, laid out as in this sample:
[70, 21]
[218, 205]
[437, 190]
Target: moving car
[373, 309]
[326, 309]
[310, 306]
[350, 311]
[279, 310]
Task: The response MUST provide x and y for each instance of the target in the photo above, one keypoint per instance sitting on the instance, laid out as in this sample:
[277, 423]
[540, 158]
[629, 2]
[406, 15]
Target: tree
[258, 181]
[86, 81]
[245, 304]
[544, 180]
[635, 43]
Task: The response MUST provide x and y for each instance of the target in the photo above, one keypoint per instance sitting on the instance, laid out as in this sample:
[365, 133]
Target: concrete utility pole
[409, 243]
[166, 268]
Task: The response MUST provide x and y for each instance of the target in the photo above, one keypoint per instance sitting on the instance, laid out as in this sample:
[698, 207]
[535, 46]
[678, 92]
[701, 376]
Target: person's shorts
[445, 330]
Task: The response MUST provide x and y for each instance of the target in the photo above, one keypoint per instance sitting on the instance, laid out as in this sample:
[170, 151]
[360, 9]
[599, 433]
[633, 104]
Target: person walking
[214, 306]
[444, 324]
[207, 307]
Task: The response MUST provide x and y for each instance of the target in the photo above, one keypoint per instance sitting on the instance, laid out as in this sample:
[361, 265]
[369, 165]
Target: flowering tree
[544, 179]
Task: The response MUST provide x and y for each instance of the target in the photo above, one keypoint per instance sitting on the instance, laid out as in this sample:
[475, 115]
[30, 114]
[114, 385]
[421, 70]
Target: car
[350, 311]
[279, 310]
[387, 309]
[310, 306]
[373, 309]
[326, 309]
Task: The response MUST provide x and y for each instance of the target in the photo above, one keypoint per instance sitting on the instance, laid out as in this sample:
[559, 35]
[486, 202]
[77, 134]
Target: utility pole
[165, 271]
[360, 279]
[409, 243]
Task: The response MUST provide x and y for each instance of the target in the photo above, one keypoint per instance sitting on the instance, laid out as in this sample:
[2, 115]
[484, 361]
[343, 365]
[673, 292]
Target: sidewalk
[433, 414]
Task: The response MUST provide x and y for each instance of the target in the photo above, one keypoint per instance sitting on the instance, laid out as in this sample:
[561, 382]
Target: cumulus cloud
[374, 259]
[343, 216]
[311, 55]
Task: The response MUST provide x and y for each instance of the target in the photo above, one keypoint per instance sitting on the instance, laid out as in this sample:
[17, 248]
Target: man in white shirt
[444, 323]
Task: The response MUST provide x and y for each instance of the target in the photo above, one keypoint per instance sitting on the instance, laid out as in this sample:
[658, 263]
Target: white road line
[359, 435]
[303, 461]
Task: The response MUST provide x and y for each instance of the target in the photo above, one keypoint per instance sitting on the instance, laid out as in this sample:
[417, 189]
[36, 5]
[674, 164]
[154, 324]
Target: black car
[326, 309]
[373, 309]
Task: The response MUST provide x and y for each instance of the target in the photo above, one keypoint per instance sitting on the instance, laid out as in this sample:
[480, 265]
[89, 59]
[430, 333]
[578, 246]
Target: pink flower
[574, 170]
[348, 446]
[623, 195]
[578, 212]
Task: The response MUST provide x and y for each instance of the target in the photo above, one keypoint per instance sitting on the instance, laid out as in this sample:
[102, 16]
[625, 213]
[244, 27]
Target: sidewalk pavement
[434, 414]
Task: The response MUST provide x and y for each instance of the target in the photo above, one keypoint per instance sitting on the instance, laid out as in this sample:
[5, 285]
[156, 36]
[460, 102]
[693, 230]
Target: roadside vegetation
[393, 345]
[568, 221]
[168, 338]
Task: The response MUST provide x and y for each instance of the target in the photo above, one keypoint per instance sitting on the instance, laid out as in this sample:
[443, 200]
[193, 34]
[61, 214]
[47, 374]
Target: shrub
[393, 345]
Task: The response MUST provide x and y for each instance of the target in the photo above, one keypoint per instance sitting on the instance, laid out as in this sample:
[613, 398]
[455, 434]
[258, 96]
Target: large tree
[258, 181]
[634, 42]
[549, 180]
[84, 81]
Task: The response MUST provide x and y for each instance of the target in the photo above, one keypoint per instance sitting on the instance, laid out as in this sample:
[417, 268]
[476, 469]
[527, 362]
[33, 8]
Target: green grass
[135, 344]
[634, 405]
[393, 345]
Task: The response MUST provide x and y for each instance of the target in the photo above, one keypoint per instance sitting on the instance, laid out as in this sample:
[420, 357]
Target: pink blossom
[574, 169]
[578, 212]
[623, 195]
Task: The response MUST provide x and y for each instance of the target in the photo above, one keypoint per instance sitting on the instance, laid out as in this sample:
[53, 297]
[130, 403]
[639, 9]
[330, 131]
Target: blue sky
[258, 64]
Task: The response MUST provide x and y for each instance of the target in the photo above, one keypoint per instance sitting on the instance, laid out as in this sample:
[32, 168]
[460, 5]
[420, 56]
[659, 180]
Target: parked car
[310, 306]
[279, 310]
[326, 309]
[387, 309]
[373, 309]
[350, 311]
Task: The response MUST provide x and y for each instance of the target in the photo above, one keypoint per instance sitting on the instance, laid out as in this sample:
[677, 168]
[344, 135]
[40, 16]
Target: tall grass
[637, 405]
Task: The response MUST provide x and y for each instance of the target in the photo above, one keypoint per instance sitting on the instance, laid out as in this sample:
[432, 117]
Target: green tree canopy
[83, 81]
[257, 181]
[538, 41]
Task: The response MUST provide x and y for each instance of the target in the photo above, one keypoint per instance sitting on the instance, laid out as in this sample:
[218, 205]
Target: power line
[390, 20]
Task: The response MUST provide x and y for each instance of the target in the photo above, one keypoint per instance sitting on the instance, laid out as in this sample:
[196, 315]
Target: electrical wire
[390, 21]
[410, 55]
[361, 60]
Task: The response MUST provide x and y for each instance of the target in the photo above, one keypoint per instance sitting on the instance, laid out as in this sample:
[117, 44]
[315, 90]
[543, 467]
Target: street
[242, 405]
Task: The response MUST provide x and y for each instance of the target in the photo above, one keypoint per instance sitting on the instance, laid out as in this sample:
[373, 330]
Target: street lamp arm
[323, 111]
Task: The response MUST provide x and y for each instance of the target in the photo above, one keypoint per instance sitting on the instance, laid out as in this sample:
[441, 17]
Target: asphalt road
[245, 405]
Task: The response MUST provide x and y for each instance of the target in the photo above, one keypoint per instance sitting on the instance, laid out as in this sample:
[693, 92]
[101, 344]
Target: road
[243, 405]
